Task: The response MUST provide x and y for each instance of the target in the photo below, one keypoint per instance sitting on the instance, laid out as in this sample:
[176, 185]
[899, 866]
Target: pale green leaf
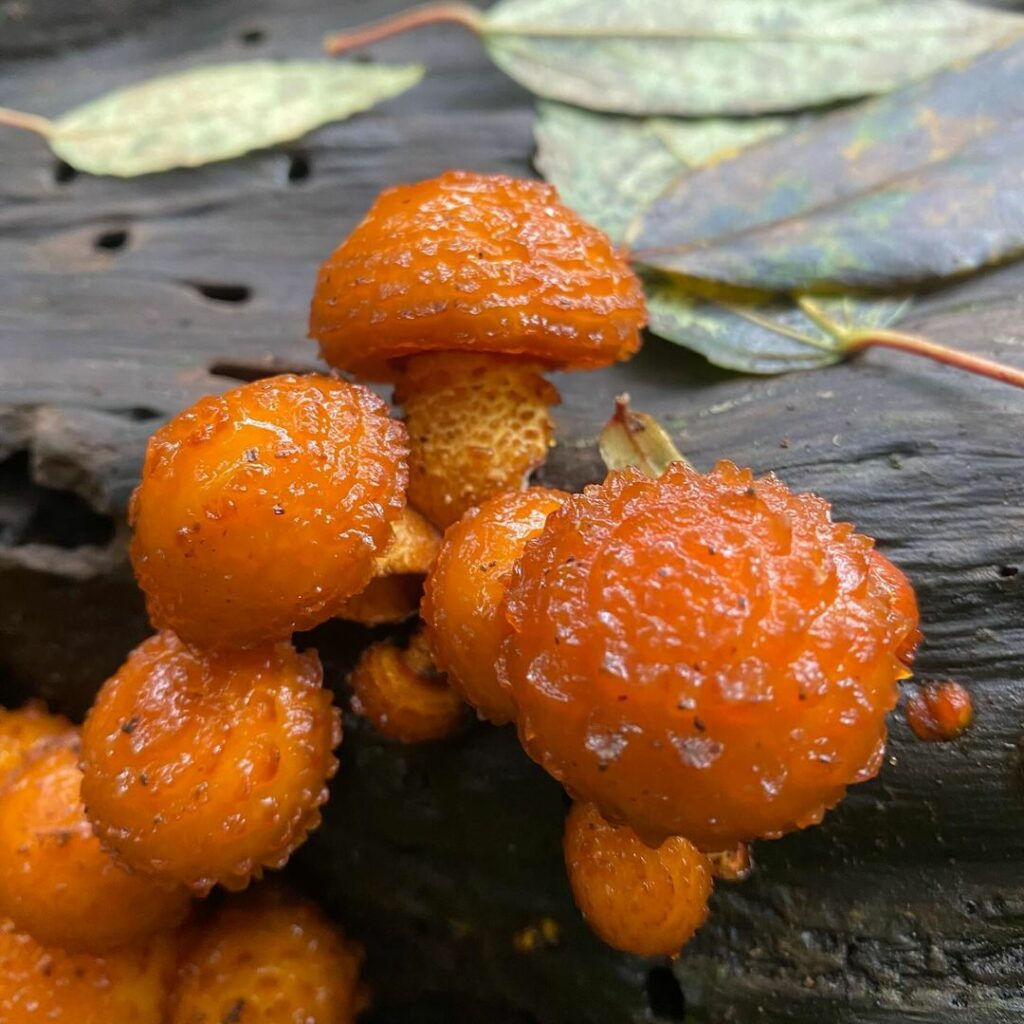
[774, 336]
[693, 58]
[214, 113]
[609, 168]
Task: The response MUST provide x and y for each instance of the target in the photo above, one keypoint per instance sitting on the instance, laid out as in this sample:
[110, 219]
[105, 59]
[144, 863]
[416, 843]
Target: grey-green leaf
[766, 338]
[923, 183]
[214, 113]
[719, 57]
[609, 168]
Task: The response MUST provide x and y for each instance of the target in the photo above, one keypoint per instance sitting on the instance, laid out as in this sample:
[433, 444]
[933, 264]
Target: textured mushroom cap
[705, 655]
[47, 984]
[266, 959]
[464, 592]
[481, 263]
[263, 508]
[205, 768]
[56, 882]
[637, 898]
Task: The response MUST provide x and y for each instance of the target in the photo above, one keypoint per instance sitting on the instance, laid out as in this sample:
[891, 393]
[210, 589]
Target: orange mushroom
[464, 289]
[464, 591]
[261, 510]
[201, 769]
[705, 655]
[56, 882]
[40, 983]
[269, 958]
[400, 691]
[939, 712]
[22, 729]
[638, 899]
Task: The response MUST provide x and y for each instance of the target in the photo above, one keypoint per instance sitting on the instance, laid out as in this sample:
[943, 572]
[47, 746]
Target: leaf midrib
[642, 32]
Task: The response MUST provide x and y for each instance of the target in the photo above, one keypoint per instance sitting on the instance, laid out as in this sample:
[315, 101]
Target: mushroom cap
[464, 591]
[269, 958]
[639, 899]
[204, 768]
[261, 509]
[46, 983]
[705, 655]
[56, 881]
[477, 263]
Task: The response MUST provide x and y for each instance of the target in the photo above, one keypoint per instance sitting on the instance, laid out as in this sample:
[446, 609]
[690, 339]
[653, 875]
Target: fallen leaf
[608, 168]
[767, 335]
[728, 56]
[923, 183]
[213, 113]
[635, 440]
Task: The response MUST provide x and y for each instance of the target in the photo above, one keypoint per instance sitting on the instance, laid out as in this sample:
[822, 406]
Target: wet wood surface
[122, 301]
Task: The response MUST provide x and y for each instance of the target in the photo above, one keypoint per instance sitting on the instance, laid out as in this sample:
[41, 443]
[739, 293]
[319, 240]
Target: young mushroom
[400, 691]
[464, 592]
[205, 768]
[262, 509]
[268, 957]
[57, 883]
[463, 290]
[637, 898]
[705, 655]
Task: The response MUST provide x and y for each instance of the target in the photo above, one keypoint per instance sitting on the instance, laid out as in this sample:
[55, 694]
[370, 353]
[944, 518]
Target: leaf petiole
[30, 122]
[428, 14]
[852, 341]
[918, 346]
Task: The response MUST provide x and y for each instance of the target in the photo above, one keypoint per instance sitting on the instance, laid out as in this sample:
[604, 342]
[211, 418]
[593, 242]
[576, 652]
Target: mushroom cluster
[701, 659]
[84, 939]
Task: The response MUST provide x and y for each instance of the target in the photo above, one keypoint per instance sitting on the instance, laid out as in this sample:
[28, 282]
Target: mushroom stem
[393, 595]
[478, 427]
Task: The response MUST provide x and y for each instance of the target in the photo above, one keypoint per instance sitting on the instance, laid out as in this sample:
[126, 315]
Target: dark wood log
[31, 27]
[122, 301]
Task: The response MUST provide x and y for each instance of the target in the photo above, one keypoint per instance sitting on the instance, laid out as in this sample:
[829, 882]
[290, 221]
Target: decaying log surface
[120, 302]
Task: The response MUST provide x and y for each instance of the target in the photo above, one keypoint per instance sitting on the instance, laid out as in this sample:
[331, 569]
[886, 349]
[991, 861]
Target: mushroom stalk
[478, 425]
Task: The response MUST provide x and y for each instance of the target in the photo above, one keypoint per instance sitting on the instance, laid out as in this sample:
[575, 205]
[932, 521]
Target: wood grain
[120, 302]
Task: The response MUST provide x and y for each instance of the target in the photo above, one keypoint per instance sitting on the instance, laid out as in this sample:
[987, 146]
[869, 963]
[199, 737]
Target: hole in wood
[1008, 571]
[33, 514]
[299, 167]
[665, 995]
[252, 37]
[113, 240]
[63, 172]
[136, 413]
[233, 293]
[256, 369]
